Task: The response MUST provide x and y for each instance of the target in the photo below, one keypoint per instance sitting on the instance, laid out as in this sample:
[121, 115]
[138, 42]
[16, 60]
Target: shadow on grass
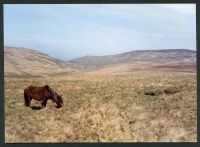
[36, 107]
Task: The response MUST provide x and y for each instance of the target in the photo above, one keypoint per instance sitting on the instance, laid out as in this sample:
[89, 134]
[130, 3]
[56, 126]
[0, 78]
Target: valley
[131, 97]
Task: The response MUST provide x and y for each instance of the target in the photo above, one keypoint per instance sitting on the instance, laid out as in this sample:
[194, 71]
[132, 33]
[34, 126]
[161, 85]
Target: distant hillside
[154, 56]
[28, 62]
[22, 62]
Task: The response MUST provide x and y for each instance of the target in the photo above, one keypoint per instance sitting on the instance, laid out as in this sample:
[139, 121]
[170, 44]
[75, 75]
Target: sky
[69, 31]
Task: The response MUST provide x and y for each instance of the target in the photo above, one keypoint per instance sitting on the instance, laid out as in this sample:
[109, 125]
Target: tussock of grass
[157, 92]
[172, 90]
[153, 92]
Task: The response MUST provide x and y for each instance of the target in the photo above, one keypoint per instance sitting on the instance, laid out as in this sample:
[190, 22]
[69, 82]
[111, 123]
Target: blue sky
[73, 30]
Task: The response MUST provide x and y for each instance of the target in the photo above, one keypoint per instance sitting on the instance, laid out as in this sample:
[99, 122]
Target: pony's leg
[27, 100]
[44, 102]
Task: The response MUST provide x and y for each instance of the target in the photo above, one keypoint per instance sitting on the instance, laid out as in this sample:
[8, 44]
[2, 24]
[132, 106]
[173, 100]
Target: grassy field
[137, 107]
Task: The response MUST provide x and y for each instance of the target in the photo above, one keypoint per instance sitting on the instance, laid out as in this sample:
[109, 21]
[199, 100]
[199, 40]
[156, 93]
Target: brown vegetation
[136, 101]
[105, 108]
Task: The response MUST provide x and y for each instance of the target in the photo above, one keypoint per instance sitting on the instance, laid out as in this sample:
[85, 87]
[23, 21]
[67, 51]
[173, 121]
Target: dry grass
[105, 108]
[25, 62]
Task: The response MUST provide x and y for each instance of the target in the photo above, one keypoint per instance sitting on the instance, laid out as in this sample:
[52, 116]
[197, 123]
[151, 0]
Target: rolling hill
[139, 96]
[28, 62]
[178, 56]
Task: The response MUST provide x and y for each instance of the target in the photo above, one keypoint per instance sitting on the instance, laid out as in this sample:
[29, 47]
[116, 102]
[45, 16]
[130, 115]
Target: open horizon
[136, 80]
[72, 31]
[98, 55]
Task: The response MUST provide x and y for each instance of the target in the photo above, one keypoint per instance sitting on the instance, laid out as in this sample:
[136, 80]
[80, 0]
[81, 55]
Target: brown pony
[42, 94]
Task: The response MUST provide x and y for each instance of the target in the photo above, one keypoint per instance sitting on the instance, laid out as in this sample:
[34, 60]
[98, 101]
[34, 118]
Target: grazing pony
[42, 94]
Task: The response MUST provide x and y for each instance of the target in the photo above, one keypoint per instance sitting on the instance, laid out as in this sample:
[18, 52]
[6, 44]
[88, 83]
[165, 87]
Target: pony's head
[56, 98]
